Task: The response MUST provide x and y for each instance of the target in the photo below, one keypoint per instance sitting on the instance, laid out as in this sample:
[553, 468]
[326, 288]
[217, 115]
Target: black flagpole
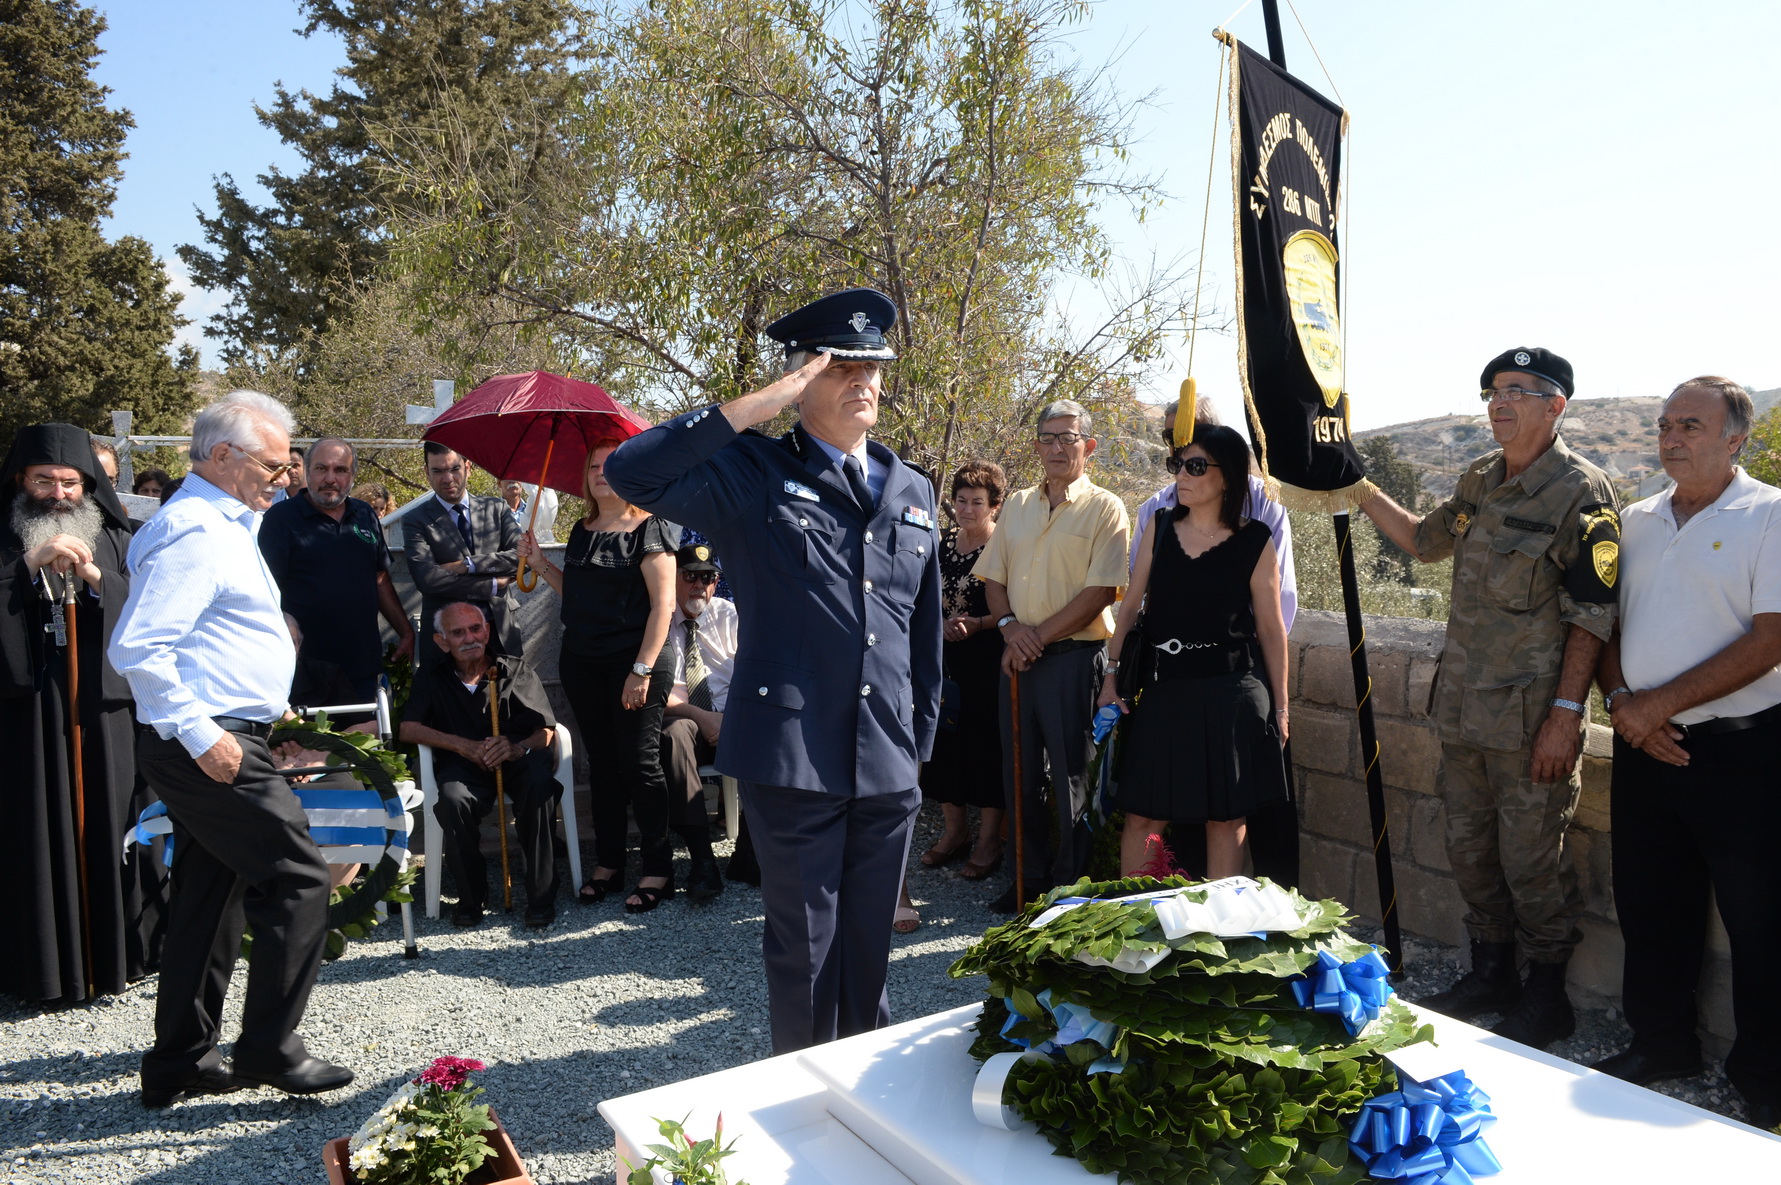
[1357, 657]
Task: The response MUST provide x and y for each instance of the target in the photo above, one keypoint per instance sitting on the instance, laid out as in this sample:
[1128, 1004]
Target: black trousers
[1677, 830]
[684, 750]
[467, 795]
[623, 748]
[830, 870]
[242, 854]
[1057, 705]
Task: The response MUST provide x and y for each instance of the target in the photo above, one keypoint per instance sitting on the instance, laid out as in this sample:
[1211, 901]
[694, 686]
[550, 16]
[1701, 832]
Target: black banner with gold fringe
[1287, 161]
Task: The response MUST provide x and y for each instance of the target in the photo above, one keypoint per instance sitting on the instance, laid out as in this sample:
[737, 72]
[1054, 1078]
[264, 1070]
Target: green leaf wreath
[1226, 1077]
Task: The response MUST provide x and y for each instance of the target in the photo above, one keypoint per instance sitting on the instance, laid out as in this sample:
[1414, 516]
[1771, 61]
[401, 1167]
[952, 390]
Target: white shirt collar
[452, 507]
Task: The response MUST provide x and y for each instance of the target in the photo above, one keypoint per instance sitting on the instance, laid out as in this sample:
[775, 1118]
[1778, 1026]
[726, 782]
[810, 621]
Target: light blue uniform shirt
[875, 474]
[202, 633]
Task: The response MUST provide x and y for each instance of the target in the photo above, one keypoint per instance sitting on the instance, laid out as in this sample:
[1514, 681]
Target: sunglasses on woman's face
[1195, 466]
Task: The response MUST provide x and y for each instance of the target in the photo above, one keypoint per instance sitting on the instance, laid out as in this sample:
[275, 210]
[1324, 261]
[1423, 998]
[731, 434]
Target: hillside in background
[1620, 435]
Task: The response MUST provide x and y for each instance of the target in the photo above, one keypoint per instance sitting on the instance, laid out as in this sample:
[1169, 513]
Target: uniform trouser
[1677, 830]
[242, 855]
[625, 745]
[684, 750]
[1057, 704]
[830, 870]
[467, 795]
[1506, 842]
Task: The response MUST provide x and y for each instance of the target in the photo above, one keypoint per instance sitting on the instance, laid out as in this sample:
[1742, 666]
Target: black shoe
[467, 914]
[1543, 1014]
[649, 897]
[1764, 1115]
[1005, 903]
[540, 916]
[1642, 1070]
[219, 1079]
[704, 883]
[1492, 984]
[310, 1076]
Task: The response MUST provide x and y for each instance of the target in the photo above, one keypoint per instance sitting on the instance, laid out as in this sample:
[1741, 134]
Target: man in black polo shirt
[326, 551]
[448, 709]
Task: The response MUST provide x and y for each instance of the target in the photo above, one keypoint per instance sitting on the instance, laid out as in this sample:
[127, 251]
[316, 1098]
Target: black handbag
[949, 705]
[1135, 660]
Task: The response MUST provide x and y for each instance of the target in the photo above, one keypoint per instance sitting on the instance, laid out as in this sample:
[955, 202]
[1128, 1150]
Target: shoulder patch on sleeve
[1595, 580]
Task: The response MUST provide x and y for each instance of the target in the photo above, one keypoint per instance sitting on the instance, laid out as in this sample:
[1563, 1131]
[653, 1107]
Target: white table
[901, 1097]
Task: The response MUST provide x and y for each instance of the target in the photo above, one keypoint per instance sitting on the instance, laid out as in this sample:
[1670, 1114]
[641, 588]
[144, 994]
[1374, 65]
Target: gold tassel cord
[1188, 403]
[1373, 757]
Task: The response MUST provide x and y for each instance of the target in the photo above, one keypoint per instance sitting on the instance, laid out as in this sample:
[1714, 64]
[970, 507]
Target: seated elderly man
[704, 639]
[448, 709]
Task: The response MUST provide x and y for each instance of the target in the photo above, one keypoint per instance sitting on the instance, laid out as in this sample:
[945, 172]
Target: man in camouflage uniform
[1534, 532]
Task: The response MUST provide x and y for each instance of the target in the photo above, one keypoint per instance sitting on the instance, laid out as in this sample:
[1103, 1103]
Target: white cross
[444, 391]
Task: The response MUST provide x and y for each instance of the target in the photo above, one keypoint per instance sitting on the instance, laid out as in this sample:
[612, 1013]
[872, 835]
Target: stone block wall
[1334, 821]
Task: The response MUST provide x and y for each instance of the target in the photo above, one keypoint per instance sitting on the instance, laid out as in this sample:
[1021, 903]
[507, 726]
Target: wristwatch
[1608, 700]
[642, 670]
[1005, 619]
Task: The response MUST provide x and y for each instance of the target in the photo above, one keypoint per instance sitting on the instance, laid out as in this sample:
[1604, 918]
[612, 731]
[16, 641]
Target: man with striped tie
[704, 641]
[203, 644]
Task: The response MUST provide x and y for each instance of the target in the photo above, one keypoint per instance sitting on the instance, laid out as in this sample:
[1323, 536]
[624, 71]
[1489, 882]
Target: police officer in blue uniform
[830, 542]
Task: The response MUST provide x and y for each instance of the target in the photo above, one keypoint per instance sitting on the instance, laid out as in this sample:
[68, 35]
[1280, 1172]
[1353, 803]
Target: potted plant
[683, 1160]
[432, 1131]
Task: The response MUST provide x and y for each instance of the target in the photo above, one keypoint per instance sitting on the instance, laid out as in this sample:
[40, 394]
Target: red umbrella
[537, 427]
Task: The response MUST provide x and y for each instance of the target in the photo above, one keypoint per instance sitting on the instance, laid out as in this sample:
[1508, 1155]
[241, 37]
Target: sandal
[906, 920]
[973, 871]
[937, 857]
[652, 896]
[596, 889]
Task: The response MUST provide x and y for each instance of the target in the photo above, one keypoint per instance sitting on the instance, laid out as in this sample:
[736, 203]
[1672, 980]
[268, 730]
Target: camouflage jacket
[1532, 556]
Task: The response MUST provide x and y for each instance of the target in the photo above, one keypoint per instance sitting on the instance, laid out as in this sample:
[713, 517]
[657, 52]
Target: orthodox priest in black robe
[62, 517]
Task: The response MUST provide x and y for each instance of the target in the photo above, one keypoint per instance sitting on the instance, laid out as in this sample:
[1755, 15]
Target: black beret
[849, 324]
[1535, 361]
[696, 557]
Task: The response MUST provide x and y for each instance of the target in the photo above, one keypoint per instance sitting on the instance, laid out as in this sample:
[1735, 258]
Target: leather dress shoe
[218, 1079]
[310, 1076]
[466, 914]
[540, 916]
[1642, 1069]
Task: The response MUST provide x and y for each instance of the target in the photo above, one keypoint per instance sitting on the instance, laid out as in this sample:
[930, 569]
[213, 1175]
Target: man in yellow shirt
[1052, 571]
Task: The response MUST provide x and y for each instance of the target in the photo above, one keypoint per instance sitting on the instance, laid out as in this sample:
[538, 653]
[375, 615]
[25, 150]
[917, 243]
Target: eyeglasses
[1510, 394]
[699, 577]
[273, 472]
[1195, 466]
[51, 485]
[1064, 438]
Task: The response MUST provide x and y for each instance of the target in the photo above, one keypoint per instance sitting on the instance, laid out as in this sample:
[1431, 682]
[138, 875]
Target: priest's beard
[38, 520]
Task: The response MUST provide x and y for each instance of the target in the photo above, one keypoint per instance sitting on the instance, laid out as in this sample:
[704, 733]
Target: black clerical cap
[66, 445]
[849, 324]
[1530, 360]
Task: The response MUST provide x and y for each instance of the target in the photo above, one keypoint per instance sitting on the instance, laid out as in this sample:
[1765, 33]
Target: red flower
[449, 1073]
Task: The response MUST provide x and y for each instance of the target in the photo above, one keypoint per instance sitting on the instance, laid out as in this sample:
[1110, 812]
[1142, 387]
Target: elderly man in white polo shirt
[1693, 677]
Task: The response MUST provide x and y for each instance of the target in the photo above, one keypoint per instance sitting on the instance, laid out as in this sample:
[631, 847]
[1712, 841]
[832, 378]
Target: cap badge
[701, 553]
[859, 321]
[1522, 358]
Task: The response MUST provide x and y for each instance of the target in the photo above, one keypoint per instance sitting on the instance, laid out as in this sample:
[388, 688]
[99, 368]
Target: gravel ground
[600, 1004]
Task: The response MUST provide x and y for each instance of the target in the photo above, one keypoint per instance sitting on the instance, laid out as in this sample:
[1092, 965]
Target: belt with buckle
[1723, 724]
[252, 728]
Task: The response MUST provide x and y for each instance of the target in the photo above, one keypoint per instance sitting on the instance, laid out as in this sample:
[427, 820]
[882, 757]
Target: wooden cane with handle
[500, 788]
[76, 752]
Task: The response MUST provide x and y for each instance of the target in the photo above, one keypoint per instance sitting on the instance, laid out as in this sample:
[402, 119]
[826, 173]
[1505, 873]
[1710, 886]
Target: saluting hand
[758, 407]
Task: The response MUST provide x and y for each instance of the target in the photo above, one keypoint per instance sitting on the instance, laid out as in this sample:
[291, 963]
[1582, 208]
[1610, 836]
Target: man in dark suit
[830, 543]
[463, 547]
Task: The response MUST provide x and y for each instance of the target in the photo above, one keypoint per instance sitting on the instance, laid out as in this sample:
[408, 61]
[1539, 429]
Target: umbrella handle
[522, 576]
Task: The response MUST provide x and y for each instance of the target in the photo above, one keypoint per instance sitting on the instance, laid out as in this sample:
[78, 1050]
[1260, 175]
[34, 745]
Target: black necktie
[856, 477]
[464, 530]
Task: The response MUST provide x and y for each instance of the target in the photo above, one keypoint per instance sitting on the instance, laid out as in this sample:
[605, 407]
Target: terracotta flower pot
[502, 1168]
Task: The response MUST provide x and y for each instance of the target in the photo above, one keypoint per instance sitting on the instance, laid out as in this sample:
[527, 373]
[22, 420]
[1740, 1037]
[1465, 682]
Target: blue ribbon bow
[1074, 1023]
[1355, 991]
[1426, 1132]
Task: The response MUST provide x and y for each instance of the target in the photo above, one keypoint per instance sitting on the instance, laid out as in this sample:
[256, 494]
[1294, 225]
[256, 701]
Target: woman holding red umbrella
[617, 588]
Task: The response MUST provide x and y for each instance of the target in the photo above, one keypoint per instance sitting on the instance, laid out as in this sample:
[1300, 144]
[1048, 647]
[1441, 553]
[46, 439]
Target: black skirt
[966, 768]
[1202, 749]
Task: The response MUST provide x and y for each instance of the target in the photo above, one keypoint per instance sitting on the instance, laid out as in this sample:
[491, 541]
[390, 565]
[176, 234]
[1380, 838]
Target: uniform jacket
[431, 538]
[1532, 556]
[836, 685]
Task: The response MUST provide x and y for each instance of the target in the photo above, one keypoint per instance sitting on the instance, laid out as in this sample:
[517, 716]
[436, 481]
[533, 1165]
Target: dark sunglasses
[1195, 466]
[699, 577]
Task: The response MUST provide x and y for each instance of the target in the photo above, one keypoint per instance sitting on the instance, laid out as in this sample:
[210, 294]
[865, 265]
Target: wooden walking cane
[75, 752]
[500, 788]
[1020, 796]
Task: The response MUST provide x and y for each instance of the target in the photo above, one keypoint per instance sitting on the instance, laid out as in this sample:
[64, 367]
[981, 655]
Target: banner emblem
[1606, 555]
[1310, 263]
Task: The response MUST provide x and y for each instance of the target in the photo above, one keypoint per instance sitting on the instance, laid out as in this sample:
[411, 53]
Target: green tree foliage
[727, 160]
[1319, 573]
[291, 267]
[1402, 481]
[1762, 452]
[85, 324]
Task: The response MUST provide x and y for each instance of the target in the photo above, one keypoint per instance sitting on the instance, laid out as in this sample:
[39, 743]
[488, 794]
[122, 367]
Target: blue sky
[1596, 178]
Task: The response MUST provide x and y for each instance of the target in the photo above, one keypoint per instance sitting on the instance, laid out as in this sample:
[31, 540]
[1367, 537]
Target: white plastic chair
[732, 800]
[435, 834]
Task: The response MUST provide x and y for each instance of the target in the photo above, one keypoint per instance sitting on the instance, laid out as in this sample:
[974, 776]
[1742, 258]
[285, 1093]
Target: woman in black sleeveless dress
[1207, 731]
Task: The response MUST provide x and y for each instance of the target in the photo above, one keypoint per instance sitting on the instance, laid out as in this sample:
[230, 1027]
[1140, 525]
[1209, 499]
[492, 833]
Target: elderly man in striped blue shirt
[203, 644]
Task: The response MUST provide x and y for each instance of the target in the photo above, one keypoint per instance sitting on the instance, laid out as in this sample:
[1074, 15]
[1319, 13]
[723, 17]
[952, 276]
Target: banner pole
[1369, 746]
[1276, 46]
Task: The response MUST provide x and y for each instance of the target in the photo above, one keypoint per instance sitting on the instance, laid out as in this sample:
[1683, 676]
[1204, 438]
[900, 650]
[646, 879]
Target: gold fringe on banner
[1327, 501]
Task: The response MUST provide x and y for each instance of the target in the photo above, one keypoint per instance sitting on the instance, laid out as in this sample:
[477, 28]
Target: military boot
[1543, 1014]
[1492, 984]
